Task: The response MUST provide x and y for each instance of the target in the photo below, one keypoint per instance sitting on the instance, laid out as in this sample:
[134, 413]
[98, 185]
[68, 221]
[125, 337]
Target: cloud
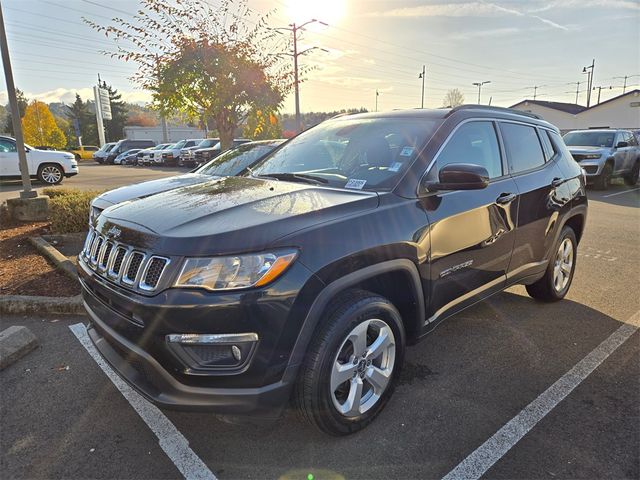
[464, 9]
[495, 32]
[608, 4]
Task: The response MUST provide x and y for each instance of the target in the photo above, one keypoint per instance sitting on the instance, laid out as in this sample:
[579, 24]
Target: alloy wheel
[51, 174]
[363, 367]
[563, 265]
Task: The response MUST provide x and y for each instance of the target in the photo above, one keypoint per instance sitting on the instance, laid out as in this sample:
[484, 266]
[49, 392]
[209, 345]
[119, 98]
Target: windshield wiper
[294, 177]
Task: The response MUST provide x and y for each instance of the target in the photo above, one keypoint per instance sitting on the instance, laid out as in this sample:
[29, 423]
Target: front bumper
[129, 331]
[593, 168]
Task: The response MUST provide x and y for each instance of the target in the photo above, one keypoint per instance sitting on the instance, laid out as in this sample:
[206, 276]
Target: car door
[532, 164]
[471, 231]
[629, 158]
[620, 153]
[9, 164]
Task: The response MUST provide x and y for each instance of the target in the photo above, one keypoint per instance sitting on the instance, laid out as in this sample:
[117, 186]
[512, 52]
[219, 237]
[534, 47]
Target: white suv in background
[48, 166]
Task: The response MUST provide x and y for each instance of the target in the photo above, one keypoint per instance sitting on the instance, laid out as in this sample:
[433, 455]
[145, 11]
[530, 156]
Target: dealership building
[622, 111]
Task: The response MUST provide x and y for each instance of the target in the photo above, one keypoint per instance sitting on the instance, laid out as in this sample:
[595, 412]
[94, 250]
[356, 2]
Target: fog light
[212, 351]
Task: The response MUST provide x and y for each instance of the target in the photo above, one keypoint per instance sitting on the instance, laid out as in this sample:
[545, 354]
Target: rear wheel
[352, 364]
[632, 178]
[557, 279]
[603, 181]
[50, 174]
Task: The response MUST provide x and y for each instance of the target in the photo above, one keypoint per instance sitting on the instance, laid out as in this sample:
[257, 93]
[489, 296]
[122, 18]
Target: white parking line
[620, 193]
[174, 444]
[480, 460]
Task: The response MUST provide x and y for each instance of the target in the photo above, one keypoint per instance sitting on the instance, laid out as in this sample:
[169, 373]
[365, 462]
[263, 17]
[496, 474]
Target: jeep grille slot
[133, 267]
[114, 271]
[122, 264]
[152, 274]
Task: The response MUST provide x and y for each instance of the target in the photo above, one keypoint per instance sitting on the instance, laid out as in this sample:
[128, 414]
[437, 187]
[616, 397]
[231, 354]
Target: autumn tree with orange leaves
[210, 62]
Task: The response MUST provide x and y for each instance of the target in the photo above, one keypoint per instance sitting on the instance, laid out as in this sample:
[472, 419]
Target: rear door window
[524, 151]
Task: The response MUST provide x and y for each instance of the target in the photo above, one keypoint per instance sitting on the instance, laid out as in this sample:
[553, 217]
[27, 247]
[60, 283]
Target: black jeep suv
[307, 276]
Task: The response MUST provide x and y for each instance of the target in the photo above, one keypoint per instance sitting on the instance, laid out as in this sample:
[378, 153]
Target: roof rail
[495, 109]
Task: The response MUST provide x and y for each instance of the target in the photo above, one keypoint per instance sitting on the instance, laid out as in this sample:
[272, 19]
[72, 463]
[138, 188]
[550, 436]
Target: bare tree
[453, 98]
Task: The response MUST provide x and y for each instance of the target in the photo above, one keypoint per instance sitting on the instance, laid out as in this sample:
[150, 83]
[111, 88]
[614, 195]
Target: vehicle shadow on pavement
[469, 377]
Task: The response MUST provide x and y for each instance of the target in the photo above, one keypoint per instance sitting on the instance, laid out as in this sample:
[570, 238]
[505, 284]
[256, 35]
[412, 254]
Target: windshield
[208, 142]
[180, 144]
[369, 154]
[589, 139]
[235, 161]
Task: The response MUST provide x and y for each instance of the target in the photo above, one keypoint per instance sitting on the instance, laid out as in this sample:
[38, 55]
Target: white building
[622, 111]
[175, 134]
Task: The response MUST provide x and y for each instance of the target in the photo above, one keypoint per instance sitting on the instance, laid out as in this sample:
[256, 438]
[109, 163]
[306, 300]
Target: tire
[50, 173]
[632, 178]
[604, 179]
[77, 157]
[559, 274]
[320, 397]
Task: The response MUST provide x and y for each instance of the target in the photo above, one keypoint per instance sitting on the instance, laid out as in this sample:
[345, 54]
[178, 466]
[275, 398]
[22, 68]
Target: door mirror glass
[460, 176]
[622, 144]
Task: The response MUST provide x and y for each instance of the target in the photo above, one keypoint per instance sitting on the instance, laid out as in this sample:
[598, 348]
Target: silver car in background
[604, 154]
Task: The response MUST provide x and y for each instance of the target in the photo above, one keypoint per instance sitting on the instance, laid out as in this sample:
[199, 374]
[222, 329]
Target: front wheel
[559, 274]
[50, 174]
[632, 178]
[352, 364]
[603, 180]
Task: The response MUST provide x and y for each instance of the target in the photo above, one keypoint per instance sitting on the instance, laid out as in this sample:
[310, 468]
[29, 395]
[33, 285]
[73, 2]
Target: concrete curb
[25, 304]
[58, 259]
[15, 343]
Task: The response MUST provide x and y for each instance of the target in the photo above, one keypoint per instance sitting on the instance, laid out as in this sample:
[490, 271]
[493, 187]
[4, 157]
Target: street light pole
[422, 76]
[589, 71]
[479, 85]
[377, 99]
[27, 192]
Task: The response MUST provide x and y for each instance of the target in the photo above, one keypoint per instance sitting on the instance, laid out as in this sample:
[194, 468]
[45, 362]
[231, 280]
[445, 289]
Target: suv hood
[229, 215]
[144, 189]
[52, 154]
[587, 149]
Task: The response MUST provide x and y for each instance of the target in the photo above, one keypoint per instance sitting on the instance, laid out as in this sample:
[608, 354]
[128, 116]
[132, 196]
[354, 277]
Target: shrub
[53, 192]
[69, 209]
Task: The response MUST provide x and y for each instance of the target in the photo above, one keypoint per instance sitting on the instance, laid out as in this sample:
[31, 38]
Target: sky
[373, 45]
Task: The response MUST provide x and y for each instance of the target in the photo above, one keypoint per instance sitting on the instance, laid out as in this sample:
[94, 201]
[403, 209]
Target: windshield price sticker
[406, 152]
[355, 184]
[395, 167]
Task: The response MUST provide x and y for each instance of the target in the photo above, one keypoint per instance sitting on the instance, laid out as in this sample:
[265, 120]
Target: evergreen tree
[81, 112]
[114, 128]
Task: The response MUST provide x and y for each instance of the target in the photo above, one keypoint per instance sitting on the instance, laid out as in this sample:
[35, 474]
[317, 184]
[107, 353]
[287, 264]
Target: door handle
[556, 182]
[506, 198]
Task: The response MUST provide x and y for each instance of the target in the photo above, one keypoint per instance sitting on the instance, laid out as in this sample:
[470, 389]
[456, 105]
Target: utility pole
[577, 91]
[377, 94]
[294, 29]
[535, 90]
[479, 85]
[422, 76]
[599, 91]
[589, 69]
[27, 192]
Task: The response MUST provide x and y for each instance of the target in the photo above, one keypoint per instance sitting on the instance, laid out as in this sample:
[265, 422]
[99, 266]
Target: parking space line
[172, 442]
[620, 193]
[480, 460]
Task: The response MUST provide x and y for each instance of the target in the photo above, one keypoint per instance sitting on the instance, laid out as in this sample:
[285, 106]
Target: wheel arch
[390, 279]
[576, 222]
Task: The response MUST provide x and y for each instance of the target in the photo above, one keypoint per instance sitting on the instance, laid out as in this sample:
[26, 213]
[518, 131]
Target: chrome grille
[122, 263]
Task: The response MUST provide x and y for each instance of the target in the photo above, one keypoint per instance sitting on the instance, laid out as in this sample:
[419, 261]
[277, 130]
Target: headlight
[228, 273]
[591, 156]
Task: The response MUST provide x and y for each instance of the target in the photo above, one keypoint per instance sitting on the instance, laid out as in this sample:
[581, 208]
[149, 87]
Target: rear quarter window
[524, 150]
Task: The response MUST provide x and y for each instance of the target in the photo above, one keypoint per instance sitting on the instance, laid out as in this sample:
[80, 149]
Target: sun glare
[329, 11]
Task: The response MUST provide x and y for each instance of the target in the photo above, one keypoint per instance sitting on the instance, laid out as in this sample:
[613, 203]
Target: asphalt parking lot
[94, 176]
[468, 380]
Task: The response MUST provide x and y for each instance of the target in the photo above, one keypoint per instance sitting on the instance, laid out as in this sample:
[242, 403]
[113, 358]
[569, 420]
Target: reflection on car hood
[144, 189]
[587, 149]
[230, 214]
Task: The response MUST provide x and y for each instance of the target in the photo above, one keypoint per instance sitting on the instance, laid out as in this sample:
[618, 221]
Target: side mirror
[460, 176]
[622, 144]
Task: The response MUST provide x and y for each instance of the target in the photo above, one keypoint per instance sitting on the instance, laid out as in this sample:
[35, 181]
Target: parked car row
[604, 154]
[185, 153]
